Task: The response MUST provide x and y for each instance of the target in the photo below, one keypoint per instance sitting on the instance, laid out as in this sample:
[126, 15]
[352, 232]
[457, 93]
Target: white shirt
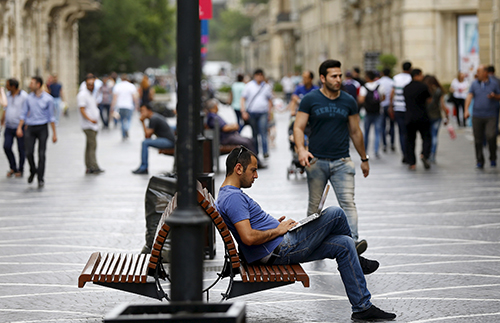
[86, 100]
[255, 101]
[96, 93]
[125, 93]
[460, 89]
[387, 83]
[287, 84]
[400, 81]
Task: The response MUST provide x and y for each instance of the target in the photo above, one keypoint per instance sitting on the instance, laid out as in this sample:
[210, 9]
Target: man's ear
[238, 169]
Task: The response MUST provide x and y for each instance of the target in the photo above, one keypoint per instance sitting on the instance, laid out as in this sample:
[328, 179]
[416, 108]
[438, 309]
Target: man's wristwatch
[366, 159]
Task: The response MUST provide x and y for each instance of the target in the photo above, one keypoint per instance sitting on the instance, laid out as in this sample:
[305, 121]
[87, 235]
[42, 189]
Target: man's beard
[331, 88]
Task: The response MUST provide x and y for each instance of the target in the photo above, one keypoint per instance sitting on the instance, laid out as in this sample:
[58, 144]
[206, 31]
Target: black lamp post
[188, 221]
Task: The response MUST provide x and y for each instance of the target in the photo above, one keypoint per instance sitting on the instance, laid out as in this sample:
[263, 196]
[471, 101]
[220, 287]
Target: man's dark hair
[240, 78]
[240, 155]
[147, 106]
[415, 72]
[38, 79]
[258, 71]
[406, 66]
[329, 63]
[356, 69]
[14, 83]
[491, 69]
[370, 75]
[89, 76]
[311, 75]
[386, 72]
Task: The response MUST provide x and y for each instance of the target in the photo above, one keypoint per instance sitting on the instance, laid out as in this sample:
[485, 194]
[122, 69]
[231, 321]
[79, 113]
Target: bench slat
[286, 277]
[301, 274]
[102, 263]
[272, 275]
[251, 274]
[112, 268]
[131, 270]
[144, 273]
[140, 268]
[243, 274]
[89, 269]
[258, 274]
[119, 268]
[105, 268]
[290, 272]
[265, 275]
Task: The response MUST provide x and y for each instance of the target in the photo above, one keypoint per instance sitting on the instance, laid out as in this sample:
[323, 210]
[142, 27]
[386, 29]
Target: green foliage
[126, 36]
[159, 89]
[254, 1]
[387, 61]
[278, 87]
[225, 89]
[226, 31]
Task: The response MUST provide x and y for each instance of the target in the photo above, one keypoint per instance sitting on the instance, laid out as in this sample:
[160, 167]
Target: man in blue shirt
[13, 105]
[56, 91]
[301, 90]
[486, 93]
[333, 117]
[263, 239]
[37, 113]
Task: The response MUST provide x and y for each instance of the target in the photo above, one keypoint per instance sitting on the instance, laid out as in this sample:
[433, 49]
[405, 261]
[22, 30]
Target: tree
[126, 36]
[226, 31]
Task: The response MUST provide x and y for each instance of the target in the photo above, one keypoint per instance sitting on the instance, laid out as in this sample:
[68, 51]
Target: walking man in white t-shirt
[256, 104]
[89, 113]
[398, 105]
[125, 99]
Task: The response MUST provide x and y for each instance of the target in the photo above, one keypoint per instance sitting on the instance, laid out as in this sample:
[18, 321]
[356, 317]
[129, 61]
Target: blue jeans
[258, 122]
[104, 111]
[435, 123]
[376, 120]
[159, 143]
[328, 237]
[341, 173]
[57, 109]
[10, 134]
[391, 127]
[125, 117]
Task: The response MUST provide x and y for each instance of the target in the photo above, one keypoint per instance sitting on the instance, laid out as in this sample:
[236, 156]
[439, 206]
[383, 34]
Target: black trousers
[424, 127]
[33, 133]
[485, 127]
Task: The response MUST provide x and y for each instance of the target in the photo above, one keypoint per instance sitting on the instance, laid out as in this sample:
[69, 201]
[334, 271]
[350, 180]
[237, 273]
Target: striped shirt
[400, 81]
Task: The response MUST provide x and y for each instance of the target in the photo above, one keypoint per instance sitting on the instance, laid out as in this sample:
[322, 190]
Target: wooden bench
[254, 277]
[135, 273]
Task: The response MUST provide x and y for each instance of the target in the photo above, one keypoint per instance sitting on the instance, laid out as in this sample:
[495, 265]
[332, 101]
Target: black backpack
[372, 101]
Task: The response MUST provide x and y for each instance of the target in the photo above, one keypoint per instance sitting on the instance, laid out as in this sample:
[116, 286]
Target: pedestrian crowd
[112, 99]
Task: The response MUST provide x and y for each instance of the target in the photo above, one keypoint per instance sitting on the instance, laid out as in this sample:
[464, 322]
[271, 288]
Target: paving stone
[435, 233]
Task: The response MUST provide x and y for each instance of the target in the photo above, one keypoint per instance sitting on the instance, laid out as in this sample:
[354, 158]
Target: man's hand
[93, 121]
[284, 226]
[245, 115]
[19, 132]
[304, 157]
[142, 117]
[466, 114]
[365, 167]
[54, 138]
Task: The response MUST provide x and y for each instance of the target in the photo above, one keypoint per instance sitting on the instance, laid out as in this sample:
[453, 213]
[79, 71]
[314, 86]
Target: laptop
[316, 215]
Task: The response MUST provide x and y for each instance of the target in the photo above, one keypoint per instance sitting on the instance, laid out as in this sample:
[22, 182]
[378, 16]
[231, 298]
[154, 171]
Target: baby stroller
[295, 166]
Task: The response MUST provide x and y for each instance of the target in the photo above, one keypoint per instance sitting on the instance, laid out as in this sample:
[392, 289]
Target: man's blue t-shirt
[55, 90]
[301, 90]
[329, 121]
[484, 107]
[235, 206]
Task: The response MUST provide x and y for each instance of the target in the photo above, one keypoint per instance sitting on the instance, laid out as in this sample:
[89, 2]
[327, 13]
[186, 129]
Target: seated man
[229, 133]
[159, 127]
[263, 239]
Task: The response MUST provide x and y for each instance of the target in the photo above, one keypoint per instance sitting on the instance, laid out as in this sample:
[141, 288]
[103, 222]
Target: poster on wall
[468, 45]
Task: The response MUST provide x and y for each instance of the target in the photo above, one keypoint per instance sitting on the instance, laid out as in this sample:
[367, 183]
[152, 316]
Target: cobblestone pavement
[435, 233]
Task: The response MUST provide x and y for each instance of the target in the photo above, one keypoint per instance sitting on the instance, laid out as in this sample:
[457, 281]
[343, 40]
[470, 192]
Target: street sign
[205, 9]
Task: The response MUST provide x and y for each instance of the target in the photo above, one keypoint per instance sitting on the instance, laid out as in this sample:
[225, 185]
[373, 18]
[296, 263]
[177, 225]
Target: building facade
[439, 36]
[40, 37]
